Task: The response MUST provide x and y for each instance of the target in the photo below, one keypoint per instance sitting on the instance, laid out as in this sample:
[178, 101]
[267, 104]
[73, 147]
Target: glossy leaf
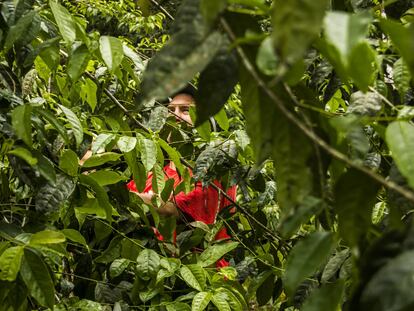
[215, 252]
[75, 236]
[148, 153]
[219, 300]
[104, 177]
[101, 158]
[306, 257]
[65, 22]
[399, 137]
[74, 123]
[148, 264]
[36, 276]
[22, 124]
[200, 301]
[10, 261]
[101, 141]
[118, 266]
[47, 237]
[24, 154]
[194, 276]
[126, 143]
[69, 162]
[112, 52]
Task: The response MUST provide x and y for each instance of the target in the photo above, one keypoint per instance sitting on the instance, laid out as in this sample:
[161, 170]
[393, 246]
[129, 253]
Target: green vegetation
[313, 108]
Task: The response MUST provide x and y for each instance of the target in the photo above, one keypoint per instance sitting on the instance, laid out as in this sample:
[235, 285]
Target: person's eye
[171, 108]
[185, 110]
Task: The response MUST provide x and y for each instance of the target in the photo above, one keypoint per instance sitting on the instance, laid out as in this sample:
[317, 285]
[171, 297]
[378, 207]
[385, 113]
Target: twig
[308, 132]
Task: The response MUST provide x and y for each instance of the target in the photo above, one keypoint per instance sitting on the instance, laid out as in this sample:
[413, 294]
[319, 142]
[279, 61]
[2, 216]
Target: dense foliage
[306, 105]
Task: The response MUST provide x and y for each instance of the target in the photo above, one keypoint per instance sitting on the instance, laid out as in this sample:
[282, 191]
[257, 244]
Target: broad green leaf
[178, 306]
[74, 123]
[211, 9]
[168, 190]
[24, 154]
[402, 37]
[100, 142]
[170, 264]
[401, 76]
[158, 179]
[51, 196]
[334, 264]
[212, 92]
[47, 237]
[75, 236]
[10, 261]
[354, 208]
[306, 257]
[69, 162]
[400, 140]
[173, 154]
[78, 61]
[22, 124]
[18, 30]
[222, 119]
[126, 143]
[112, 252]
[104, 178]
[136, 59]
[194, 276]
[51, 118]
[45, 167]
[100, 193]
[148, 151]
[215, 252]
[266, 59]
[219, 300]
[87, 305]
[390, 287]
[36, 276]
[365, 104]
[345, 31]
[112, 52]
[201, 300]
[363, 65]
[296, 23]
[177, 63]
[90, 88]
[148, 264]
[65, 22]
[118, 266]
[101, 158]
[327, 298]
[139, 174]
[158, 117]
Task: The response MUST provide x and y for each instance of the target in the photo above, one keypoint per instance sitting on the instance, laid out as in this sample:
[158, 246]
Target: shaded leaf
[69, 162]
[75, 124]
[101, 158]
[118, 266]
[75, 236]
[78, 60]
[328, 297]
[22, 124]
[112, 52]
[365, 104]
[148, 151]
[148, 264]
[24, 154]
[10, 261]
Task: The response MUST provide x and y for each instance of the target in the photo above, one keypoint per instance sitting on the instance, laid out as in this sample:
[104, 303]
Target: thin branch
[308, 132]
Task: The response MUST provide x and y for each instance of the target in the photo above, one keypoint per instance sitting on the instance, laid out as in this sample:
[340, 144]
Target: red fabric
[202, 204]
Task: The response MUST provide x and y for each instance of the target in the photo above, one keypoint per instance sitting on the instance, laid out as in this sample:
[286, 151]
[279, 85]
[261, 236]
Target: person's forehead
[182, 100]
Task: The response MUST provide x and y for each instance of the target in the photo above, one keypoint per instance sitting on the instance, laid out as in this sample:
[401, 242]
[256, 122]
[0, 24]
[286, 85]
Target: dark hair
[189, 89]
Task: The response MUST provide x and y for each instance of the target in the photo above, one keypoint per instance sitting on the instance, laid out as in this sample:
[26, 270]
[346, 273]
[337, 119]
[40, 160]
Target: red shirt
[201, 204]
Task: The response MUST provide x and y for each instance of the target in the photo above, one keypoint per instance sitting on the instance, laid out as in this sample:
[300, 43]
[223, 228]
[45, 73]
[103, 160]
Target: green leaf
[178, 306]
[79, 57]
[10, 261]
[334, 264]
[22, 123]
[51, 196]
[363, 65]
[345, 31]
[402, 37]
[24, 154]
[126, 143]
[148, 264]
[222, 119]
[173, 154]
[139, 174]
[400, 139]
[200, 301]
[36, 276]
[401, 76]
[365, 104]
[212, 92]
[210, 9]
[296, 23]
[112, 52]
[148, 151]
[75, 236]
[101, 158]
[168, 189]
[177, 63]
[390, 287]
[118, 266]
[104, 178]
[100, 193]
[46, 168]
[194, 276]
[101, 141]
[215, 252]
[266, 60]
[75, 124]
[306, 257]
[327, 298]
[354, 208]
[18, 30]
[159, 115]
[112, 252]
[219, 300]
[50, 117]
[65, 22]
[69, 162]
[47, 237]
[89, 89]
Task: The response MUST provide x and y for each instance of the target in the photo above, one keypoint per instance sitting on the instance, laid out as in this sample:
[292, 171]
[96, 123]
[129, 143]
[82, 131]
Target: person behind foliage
[201, 204]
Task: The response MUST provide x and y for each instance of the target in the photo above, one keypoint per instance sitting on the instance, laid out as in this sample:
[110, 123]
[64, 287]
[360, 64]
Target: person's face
[180, 107]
